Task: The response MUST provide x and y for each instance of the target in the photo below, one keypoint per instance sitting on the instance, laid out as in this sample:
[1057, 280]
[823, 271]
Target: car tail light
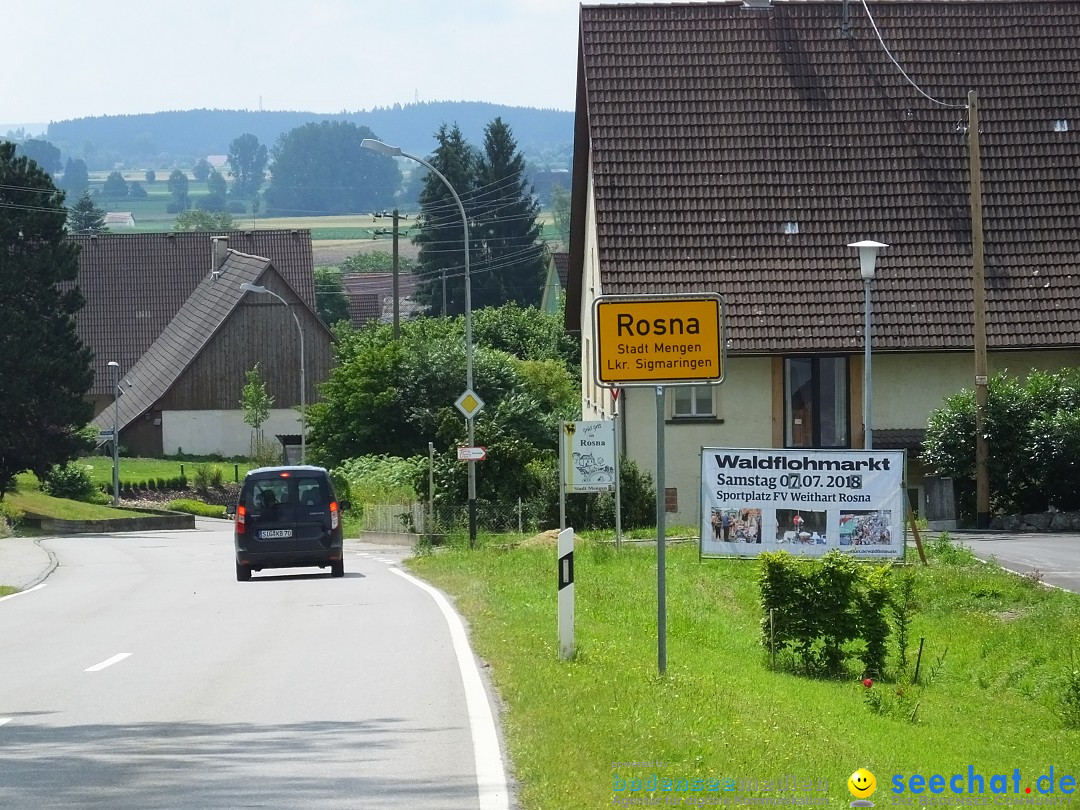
[241, 514]
[334, 516]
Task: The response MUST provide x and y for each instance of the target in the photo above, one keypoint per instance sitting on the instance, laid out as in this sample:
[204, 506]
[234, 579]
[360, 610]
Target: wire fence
[416, 518]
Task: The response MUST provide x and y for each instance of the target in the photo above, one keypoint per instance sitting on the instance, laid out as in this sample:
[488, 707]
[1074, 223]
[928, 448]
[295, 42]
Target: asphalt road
[145, 676]
[1055, 556]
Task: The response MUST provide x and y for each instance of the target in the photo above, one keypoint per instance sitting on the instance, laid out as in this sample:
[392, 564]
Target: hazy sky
[72, 58]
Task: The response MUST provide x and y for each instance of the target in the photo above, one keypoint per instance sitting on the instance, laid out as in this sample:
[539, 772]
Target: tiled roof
[204, 311]
[135, 283]
[371, 296]
[364, 307]
[742, 151]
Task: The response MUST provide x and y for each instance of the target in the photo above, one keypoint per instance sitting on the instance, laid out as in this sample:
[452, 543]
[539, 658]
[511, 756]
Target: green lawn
[993, 693]
[35, 502]
[135, 470]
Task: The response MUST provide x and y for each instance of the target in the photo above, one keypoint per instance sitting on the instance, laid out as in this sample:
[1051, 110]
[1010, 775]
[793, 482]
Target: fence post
[520, 530]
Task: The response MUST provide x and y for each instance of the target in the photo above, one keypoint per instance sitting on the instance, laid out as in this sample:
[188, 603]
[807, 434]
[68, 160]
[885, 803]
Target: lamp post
[255, 288]
[868, 251]
[395, 151]
[116, 437]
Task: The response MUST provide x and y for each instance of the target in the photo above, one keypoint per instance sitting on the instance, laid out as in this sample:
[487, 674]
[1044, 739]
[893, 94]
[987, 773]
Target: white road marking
[490, 772]
[5, 720]
[107, 663]
[20, 593]
[390, 562]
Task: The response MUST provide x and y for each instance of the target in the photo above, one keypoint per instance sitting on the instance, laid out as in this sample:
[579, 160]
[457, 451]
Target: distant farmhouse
[168, 309]
[119, 219]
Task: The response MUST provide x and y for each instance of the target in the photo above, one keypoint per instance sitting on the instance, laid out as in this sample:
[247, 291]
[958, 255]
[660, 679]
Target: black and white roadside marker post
[566, 593]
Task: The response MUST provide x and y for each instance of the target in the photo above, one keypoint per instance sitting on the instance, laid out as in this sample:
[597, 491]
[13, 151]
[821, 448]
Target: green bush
[814, 608]
[10, 517]
[71, 481]
[206, 477]
[196, 508]
[1033, 429]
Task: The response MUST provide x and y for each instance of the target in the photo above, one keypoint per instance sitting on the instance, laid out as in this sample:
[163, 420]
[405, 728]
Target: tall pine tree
[441, 236]
[44, 367]
[513, 258]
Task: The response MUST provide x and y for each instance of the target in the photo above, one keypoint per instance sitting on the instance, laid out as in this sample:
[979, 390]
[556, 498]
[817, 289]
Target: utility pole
[397, 324]
[978, 283]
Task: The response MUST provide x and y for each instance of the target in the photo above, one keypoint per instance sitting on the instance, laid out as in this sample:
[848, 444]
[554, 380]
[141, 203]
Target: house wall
[750, 411]
[743, 406]
[204, 432]
[596, 402]
[907, 387]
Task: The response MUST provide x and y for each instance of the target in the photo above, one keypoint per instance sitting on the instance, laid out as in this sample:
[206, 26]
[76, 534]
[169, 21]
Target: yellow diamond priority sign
[469, 404]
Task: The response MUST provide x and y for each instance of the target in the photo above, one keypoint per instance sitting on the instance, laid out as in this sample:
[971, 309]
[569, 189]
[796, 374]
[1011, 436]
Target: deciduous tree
[76, 178]
[247, 162]
[43, 153]
[198, 219]
[321, 169]
[115, 186]
[201, 170]
[331, 303]
[44, 367]
[215, 183]
[178, 187]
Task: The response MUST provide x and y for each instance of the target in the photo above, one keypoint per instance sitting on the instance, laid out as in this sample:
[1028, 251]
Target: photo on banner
[806, 502]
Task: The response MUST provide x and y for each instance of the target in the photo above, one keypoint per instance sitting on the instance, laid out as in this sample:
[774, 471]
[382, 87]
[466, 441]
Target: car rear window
[266, 493]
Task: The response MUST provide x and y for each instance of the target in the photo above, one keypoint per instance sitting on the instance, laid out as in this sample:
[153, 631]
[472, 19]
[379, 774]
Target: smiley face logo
[862, 784]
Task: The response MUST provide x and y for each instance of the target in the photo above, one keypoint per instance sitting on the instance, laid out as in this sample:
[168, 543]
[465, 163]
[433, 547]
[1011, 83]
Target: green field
[151, 216]
[998, 689]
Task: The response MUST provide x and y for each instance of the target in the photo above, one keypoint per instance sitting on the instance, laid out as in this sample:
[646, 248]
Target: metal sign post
[661, 538]
[658, 340]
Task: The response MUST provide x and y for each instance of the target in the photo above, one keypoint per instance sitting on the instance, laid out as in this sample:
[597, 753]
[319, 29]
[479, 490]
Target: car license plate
[273, 534]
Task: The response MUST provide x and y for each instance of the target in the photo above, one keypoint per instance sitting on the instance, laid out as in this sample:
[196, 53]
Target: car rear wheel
[337, 568]
[243, 573]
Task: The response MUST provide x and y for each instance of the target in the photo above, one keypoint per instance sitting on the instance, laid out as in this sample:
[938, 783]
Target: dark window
[816, 402]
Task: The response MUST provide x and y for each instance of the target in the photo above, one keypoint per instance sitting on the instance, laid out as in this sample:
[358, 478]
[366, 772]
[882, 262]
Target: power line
[902, 71]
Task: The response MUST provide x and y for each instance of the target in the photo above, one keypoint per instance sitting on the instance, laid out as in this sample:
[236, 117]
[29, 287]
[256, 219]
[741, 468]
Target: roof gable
[741, 152]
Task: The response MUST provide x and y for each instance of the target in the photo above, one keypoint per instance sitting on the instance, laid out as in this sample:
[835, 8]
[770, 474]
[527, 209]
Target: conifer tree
[441, 235]
[513, 258]
[44, 367]
[85, 217]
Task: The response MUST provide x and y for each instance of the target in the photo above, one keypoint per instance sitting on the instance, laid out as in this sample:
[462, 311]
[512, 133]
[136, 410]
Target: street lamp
[395, 151]
[116, 437]
[255, 288]
[868, 251]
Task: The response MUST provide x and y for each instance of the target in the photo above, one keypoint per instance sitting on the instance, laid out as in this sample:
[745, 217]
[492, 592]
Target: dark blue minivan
[288, 517]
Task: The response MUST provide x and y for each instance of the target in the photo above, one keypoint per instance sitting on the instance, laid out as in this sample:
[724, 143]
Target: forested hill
[165, 138]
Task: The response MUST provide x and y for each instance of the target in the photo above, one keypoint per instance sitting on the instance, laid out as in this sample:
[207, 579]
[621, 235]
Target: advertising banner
[802, 501]
[588, 455]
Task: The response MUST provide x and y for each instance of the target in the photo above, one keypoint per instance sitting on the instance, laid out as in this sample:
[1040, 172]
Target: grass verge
[38, 503]
[993, 690]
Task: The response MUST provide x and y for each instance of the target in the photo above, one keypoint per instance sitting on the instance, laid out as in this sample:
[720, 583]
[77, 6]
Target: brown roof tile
[711, 128]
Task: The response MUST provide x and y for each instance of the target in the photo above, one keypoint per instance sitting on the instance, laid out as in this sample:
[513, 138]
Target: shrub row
[149, 485]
